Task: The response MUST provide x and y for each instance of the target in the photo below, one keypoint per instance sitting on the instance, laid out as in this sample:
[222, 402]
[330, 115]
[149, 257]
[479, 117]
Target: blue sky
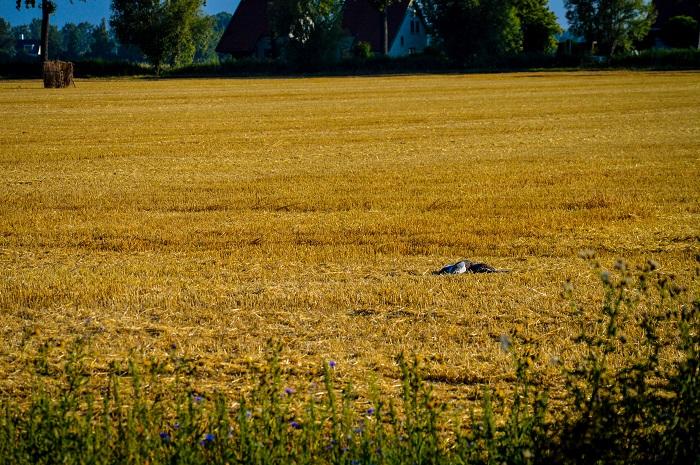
[94, 10]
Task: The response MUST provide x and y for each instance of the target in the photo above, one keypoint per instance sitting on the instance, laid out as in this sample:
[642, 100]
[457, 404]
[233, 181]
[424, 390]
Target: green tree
[539, 25]
[101, 43]
[281, 14]
[475, 30]
[76, 39]
[680, 32]
[48, 7]
[206, 51]
[7, 41]
[55, 40]
[305, 32]
[167, 31]
[612, 25]
[315, 33]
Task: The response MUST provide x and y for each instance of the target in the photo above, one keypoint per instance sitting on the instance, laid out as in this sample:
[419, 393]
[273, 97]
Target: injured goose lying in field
[465, 266]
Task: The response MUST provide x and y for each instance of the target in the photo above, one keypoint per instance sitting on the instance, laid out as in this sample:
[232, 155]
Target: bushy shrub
[680, 32]
[659, 59]
[362, 50]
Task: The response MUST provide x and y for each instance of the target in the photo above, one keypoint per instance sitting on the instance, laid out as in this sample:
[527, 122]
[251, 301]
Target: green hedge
[430, 62]
[82, 69]
[687, 58]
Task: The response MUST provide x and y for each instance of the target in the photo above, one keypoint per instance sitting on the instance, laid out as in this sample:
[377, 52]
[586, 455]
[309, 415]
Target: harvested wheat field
[216, 214]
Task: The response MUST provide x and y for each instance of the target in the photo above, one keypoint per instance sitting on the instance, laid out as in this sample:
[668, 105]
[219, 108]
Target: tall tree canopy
[7, 42]
[315, 32]
[473, 30]
[75, 39]
[539, 25]
[681, 32]
[612, 24]
[101, 43]
[306, 32]
[167, 31]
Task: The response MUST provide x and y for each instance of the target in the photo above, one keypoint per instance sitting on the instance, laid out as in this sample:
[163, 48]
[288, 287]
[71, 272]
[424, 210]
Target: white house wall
[409, 39]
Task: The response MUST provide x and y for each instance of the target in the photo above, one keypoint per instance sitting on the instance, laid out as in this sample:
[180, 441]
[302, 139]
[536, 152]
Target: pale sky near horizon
[93, 11]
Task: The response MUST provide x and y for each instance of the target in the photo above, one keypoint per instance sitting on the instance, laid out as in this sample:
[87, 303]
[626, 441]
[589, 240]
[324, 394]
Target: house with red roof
[247, 35]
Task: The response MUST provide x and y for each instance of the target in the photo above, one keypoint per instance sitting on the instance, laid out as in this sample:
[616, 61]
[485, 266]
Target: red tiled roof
[247, 26]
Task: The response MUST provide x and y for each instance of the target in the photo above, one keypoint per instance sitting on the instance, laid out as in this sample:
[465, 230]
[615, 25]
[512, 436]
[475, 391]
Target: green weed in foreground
[645, 412]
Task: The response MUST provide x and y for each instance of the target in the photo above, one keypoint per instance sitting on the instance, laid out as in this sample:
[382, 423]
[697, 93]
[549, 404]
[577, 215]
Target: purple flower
[370, 411]
[295, 425]
[248, 414]
[198, 399]
[165, 436]
[176, 425]
[332, 364]
[289, 391]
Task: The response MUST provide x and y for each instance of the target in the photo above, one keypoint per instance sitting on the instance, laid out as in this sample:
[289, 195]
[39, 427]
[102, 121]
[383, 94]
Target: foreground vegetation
[217, 214]
[645, 411]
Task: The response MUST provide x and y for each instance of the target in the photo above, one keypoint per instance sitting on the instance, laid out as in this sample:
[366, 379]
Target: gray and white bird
[466, 266]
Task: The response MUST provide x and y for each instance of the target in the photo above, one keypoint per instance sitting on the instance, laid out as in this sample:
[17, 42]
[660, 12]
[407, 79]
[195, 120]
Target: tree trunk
[45, 14]
[385, 32]
[274, 52]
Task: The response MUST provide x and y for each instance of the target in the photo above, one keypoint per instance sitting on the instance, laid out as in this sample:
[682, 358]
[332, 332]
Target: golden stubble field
[215, 214]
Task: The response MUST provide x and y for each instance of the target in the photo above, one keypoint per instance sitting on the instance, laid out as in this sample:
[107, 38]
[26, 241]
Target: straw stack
[58, 74]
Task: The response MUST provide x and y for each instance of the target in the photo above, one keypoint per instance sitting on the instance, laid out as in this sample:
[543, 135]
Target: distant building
[27, 47]
[407, 32]
[247, 35]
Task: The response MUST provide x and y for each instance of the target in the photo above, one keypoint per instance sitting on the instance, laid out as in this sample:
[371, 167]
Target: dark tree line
[86, 41]
[477, 29]
[306, 32]
[71, 42]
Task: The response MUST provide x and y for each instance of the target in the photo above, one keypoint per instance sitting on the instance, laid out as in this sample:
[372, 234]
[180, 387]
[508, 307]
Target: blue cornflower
[370, 411]
[165, 436]
[176, 425]
[289, 391]
[209, 438]
[198, 399]
[332, 364]
[295, 425]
